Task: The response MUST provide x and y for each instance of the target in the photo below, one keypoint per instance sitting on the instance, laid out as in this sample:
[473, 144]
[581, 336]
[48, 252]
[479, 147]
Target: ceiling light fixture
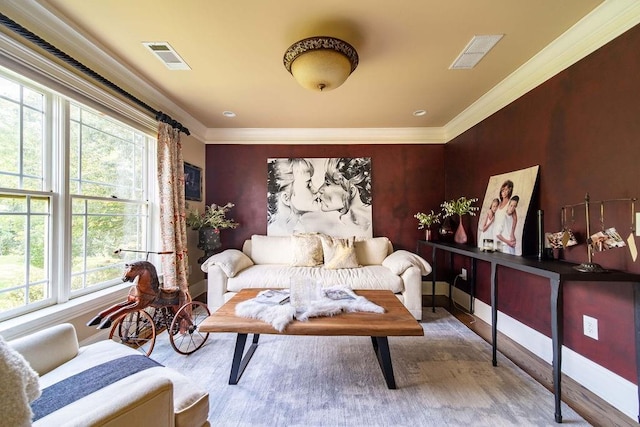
[420, 113]
[229, 114]
[320, 63]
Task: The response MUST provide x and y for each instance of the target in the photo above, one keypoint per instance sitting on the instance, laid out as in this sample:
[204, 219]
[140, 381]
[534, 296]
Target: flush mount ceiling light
[320, 63]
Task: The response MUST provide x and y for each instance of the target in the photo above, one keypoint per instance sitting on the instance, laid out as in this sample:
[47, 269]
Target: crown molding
[307, 136]
[43, 19]
[603, 24]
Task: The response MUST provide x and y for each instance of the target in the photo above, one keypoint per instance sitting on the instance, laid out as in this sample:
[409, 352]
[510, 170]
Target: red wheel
[184, 335]
[136, 330]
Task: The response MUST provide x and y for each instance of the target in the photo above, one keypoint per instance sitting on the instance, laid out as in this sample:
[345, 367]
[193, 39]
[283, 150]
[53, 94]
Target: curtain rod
[40, 42]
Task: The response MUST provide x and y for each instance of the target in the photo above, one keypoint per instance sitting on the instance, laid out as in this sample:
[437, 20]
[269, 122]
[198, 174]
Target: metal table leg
[381, 348]
[239, 362]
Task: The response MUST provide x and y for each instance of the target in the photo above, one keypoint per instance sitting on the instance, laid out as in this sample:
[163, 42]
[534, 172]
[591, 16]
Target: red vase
[461, 234]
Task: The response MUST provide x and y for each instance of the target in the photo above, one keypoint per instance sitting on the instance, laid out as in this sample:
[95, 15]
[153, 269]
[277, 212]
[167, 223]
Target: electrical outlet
[463, 274]
[590, 326]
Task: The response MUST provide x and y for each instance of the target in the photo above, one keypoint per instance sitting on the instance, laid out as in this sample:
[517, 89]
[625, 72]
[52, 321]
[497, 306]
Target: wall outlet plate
[463, 274]
[590, 326]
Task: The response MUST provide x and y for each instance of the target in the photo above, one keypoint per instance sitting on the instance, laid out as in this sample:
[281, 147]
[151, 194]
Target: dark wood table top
[395, 321]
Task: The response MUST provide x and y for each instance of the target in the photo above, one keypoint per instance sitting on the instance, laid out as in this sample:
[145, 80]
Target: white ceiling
[235, 50]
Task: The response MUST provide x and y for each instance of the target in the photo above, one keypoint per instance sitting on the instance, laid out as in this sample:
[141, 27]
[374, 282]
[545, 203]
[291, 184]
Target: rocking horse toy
[148, 308]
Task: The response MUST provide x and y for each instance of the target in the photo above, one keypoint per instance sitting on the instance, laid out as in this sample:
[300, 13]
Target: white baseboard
[612, 388]
[442, 288]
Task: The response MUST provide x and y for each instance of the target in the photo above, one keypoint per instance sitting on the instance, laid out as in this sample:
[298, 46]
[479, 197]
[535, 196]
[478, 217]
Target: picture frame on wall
[192, 182]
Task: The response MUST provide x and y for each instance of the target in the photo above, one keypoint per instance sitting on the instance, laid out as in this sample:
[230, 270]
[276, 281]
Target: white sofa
[270, 262]
[157, 396]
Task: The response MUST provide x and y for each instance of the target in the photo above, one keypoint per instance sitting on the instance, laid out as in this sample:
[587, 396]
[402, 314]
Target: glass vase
[428, 235]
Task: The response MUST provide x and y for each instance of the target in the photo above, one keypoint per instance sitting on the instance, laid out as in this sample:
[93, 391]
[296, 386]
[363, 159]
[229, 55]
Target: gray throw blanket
[86, 382]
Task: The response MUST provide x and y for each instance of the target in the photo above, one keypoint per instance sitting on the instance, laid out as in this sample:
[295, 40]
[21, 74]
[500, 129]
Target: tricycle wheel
[136, 330]
[184, 334]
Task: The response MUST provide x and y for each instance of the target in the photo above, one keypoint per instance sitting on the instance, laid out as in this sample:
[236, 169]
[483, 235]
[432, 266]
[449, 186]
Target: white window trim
[30, 67]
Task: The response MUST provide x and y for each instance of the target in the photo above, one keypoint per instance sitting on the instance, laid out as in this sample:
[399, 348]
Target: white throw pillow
[231, 261]
[339, 253]
[306, 250]
[372, 251]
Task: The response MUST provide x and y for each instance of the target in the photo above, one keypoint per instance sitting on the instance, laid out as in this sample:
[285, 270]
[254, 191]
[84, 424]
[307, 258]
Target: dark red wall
[583, 128]
[406, 179]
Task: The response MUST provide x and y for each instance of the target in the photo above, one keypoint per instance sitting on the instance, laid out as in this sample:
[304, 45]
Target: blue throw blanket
[86, 382]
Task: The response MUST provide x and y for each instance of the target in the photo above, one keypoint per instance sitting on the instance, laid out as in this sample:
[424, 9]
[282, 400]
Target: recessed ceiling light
[229, 114]
[419, 113]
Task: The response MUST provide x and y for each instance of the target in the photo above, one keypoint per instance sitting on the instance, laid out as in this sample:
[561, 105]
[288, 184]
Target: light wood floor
[591, 407]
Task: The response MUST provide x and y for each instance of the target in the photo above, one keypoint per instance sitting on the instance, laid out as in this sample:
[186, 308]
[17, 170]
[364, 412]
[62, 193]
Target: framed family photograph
[192, 182]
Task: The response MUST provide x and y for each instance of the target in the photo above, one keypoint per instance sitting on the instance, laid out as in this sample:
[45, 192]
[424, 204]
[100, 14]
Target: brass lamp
[320, 63]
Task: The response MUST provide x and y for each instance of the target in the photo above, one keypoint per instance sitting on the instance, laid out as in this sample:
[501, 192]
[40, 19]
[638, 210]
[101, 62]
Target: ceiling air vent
[477, 48]
[165, 53]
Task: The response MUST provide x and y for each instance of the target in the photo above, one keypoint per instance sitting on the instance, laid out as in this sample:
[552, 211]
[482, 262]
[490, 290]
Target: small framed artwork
[192, 182]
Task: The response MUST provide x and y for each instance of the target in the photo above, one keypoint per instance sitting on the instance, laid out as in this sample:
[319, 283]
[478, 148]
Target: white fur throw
[18, 387]
[335, 300]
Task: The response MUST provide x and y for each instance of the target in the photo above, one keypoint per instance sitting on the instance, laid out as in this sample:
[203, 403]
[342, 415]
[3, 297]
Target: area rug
[444, 379]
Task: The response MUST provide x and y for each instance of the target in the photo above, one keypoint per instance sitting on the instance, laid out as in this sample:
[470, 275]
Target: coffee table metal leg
[239, 362]
[381, 348]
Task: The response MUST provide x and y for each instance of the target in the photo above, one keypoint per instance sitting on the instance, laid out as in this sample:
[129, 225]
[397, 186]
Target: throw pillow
[339, 253]
[372, 251]
[306, 249]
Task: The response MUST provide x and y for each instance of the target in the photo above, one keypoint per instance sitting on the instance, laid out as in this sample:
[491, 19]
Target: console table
[557, 272]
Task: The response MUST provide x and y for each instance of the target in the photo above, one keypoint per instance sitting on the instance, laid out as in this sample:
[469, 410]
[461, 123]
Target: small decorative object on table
[273, 296]
[487, 245]
[460, 207]
[304, 291]
[209, 223]
[426, 221]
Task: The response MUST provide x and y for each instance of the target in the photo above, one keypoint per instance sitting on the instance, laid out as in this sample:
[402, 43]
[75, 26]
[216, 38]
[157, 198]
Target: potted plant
[426, 221]
[461, 206]
[209, 223]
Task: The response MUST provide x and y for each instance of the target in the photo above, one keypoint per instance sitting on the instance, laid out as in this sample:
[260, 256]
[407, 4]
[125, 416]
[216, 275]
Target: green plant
[427, 220]
[214, 216]
[462, 206]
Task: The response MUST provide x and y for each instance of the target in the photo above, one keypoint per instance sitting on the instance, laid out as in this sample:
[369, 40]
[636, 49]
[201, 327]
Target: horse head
[146, 271]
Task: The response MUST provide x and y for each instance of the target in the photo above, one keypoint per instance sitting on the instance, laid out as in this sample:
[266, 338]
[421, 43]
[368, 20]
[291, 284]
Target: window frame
[56, 187]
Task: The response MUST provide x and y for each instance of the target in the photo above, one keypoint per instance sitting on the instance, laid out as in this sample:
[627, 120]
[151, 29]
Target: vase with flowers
[460, 207]
[209, 223]
[425, 221]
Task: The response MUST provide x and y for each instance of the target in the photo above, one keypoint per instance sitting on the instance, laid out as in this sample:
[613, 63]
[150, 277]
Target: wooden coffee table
[396, 321]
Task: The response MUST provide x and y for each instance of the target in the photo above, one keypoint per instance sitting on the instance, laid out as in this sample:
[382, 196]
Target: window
[74, 187]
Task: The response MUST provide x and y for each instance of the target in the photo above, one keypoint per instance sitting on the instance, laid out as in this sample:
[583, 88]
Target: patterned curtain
[173, 228]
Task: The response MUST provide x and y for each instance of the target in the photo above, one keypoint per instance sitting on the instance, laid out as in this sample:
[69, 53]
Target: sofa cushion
[372, 251]
[271, 249]
[306, 250]
[278, 276]
[339, 253]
